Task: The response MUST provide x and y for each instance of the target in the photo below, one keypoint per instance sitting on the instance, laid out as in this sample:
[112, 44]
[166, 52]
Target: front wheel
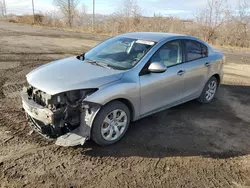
[209, 91]
[111, 123]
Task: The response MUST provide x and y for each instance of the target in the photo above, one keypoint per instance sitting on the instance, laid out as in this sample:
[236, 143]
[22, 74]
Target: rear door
[196, 68]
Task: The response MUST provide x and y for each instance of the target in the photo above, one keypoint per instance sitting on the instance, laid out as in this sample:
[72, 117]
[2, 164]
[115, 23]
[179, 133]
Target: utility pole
[4, 8]
[33, 12]
[69, 9]
[93, 16]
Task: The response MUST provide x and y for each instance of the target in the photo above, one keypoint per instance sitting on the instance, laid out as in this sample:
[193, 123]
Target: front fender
[120, 89]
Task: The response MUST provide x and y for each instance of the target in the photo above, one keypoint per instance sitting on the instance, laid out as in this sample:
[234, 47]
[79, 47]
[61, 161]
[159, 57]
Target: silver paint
[147, 93]
[157, 67]
[70, 74]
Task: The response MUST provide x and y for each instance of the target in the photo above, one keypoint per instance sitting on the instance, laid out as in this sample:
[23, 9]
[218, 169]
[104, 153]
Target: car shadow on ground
[219, 130]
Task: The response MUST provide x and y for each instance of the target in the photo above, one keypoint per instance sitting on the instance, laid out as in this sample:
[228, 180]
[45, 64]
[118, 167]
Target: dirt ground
[191, 145]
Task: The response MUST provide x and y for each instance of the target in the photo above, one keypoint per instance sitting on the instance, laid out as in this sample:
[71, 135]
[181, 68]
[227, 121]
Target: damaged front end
[66, 117]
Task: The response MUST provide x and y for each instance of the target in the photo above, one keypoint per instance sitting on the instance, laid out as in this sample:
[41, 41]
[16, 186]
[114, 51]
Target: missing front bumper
[42, 120]
[40, 127]
[38, 117]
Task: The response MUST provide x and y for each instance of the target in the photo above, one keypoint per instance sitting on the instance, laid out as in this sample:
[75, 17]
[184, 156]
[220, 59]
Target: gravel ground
[191, 145]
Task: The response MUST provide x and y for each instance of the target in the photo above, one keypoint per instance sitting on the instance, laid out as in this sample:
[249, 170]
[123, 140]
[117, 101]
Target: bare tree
[242, 22]
[244, 9]
[213, 17]
[130, 8]
[244, 14]
[82, 16]
[68, 9]
[84, 8]
[129, 14]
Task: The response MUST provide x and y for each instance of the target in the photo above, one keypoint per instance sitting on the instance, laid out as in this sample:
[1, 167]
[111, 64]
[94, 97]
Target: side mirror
[157, 67]
[81, 57]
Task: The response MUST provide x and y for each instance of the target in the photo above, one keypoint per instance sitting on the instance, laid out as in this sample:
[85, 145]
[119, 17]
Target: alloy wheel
[211, 90]
[114, 125]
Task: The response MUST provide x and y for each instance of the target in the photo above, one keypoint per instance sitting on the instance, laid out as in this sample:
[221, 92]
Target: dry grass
[232, 47]
[116, 24]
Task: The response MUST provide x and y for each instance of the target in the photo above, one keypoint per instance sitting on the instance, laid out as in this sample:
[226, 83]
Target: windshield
[119, 53]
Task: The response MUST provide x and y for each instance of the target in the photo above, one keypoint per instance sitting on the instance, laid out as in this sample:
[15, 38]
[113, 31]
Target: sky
[177, 8]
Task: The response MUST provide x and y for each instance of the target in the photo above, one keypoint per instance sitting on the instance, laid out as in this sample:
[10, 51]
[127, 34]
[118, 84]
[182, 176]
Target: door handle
[181, 72]
[207, 64]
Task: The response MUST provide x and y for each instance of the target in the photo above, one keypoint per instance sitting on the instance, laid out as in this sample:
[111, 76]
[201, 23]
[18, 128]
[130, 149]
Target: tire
[100, 124]
[204, 96]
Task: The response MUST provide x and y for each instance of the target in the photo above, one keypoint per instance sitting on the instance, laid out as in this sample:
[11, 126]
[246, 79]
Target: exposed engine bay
[61, 116]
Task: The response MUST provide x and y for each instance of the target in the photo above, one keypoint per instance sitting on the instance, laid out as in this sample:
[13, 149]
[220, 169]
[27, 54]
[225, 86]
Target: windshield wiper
[100, 64]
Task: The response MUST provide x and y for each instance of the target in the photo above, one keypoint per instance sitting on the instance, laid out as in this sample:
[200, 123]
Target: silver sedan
[96, 95]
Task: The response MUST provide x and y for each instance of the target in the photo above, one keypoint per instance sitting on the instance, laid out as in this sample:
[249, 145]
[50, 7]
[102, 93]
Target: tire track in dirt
[2, 81]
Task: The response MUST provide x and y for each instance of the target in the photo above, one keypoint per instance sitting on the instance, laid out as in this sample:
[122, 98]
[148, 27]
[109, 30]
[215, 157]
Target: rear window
[195, 50]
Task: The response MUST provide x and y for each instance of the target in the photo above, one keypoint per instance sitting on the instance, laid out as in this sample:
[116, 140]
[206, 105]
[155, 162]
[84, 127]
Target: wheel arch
[217, 76]
[128, 103]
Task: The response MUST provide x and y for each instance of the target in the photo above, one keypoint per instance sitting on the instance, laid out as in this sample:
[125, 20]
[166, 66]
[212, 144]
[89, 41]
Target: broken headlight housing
[75, 97]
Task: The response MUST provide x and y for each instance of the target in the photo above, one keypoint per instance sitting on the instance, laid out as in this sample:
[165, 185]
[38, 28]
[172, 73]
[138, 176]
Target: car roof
[151, 36]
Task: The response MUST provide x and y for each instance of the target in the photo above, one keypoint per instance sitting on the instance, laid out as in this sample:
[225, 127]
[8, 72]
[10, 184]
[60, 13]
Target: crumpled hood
[70, 74]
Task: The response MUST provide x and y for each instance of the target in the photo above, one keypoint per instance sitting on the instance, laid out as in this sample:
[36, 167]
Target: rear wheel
[111, 123]
[209, 91]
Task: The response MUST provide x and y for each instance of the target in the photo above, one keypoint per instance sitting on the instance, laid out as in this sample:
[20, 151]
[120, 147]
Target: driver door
[162, 90]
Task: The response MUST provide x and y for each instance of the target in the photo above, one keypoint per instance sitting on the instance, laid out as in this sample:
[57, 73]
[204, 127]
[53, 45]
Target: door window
[204, 50]
[170, 54]
[195, 50]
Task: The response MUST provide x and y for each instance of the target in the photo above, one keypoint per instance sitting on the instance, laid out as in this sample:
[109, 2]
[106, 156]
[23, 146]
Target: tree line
[216, 23]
